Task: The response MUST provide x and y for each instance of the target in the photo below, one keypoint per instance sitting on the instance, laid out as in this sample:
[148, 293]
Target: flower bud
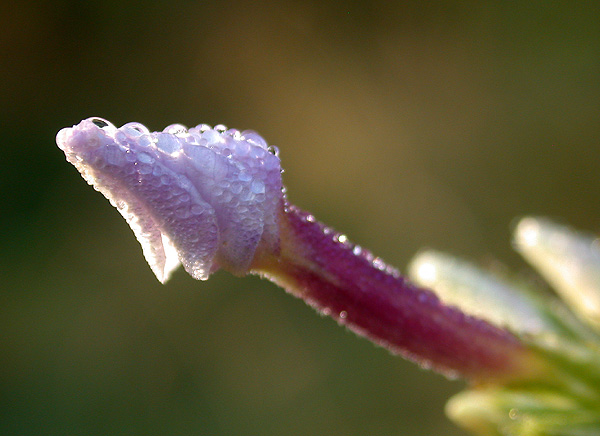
[204, 197]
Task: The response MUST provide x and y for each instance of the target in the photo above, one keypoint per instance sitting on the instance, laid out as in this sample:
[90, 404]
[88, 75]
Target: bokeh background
[403, 124]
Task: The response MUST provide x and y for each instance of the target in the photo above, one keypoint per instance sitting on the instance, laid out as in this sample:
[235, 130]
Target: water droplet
[184, 198]
[100, 122]
[114, 155]
[342, 239]
[144, 169]
[203, 128]
[121, 138]
[244, 177]
[254, 138]
[212, 137]
[140, 128]
[145, 140]
[145, 158]
[343, 314]
[246, 195]
[226, 197]
[194, 138]
[513, 414]
[242, 149]
[167, 143]
[234, 133]
[220, 128]
[379, 263]
[236, 187]
[274, 150]
[425, 364]
[197, 209]
[182, 212]
[257, 186]
[176, 129]
[258, 154]
[129, 156]
[357, 250]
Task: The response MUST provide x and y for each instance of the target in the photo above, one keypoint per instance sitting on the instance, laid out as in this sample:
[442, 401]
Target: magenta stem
[350, 285]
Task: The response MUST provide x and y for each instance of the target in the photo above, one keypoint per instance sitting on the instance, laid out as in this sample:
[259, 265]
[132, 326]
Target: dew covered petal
[203, 198]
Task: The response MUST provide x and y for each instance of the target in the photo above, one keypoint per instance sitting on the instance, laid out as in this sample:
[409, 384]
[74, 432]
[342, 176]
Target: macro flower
[186, 197]
[211, 198]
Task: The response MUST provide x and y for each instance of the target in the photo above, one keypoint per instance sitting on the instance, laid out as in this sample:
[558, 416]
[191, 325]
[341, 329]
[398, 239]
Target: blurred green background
[403, 124]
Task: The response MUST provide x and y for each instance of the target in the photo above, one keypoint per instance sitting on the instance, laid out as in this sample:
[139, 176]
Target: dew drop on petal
[145, 158]
[176, 129]
[212, 137]
[379, 264]
[137, 127]
[244, 177]
[257, 186]
[167, 143]
[100, 122]
[203, 127]
[235, 134]
[254, 138]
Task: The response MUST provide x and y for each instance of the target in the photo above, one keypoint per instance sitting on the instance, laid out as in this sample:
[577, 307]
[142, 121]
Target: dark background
[403, 124]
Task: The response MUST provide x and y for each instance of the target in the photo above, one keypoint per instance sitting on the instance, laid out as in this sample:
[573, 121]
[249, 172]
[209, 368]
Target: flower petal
[461, 284]
[568, 260]
[208, 195]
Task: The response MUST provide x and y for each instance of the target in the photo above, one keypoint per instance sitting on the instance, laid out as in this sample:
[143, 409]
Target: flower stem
[358, 290]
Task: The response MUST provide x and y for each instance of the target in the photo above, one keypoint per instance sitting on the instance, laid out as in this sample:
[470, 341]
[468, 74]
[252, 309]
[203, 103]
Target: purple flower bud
[204, 197]
[212, 198]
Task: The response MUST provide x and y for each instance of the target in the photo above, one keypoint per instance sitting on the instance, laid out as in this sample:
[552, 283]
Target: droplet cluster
[210, 195]
[342, 240]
